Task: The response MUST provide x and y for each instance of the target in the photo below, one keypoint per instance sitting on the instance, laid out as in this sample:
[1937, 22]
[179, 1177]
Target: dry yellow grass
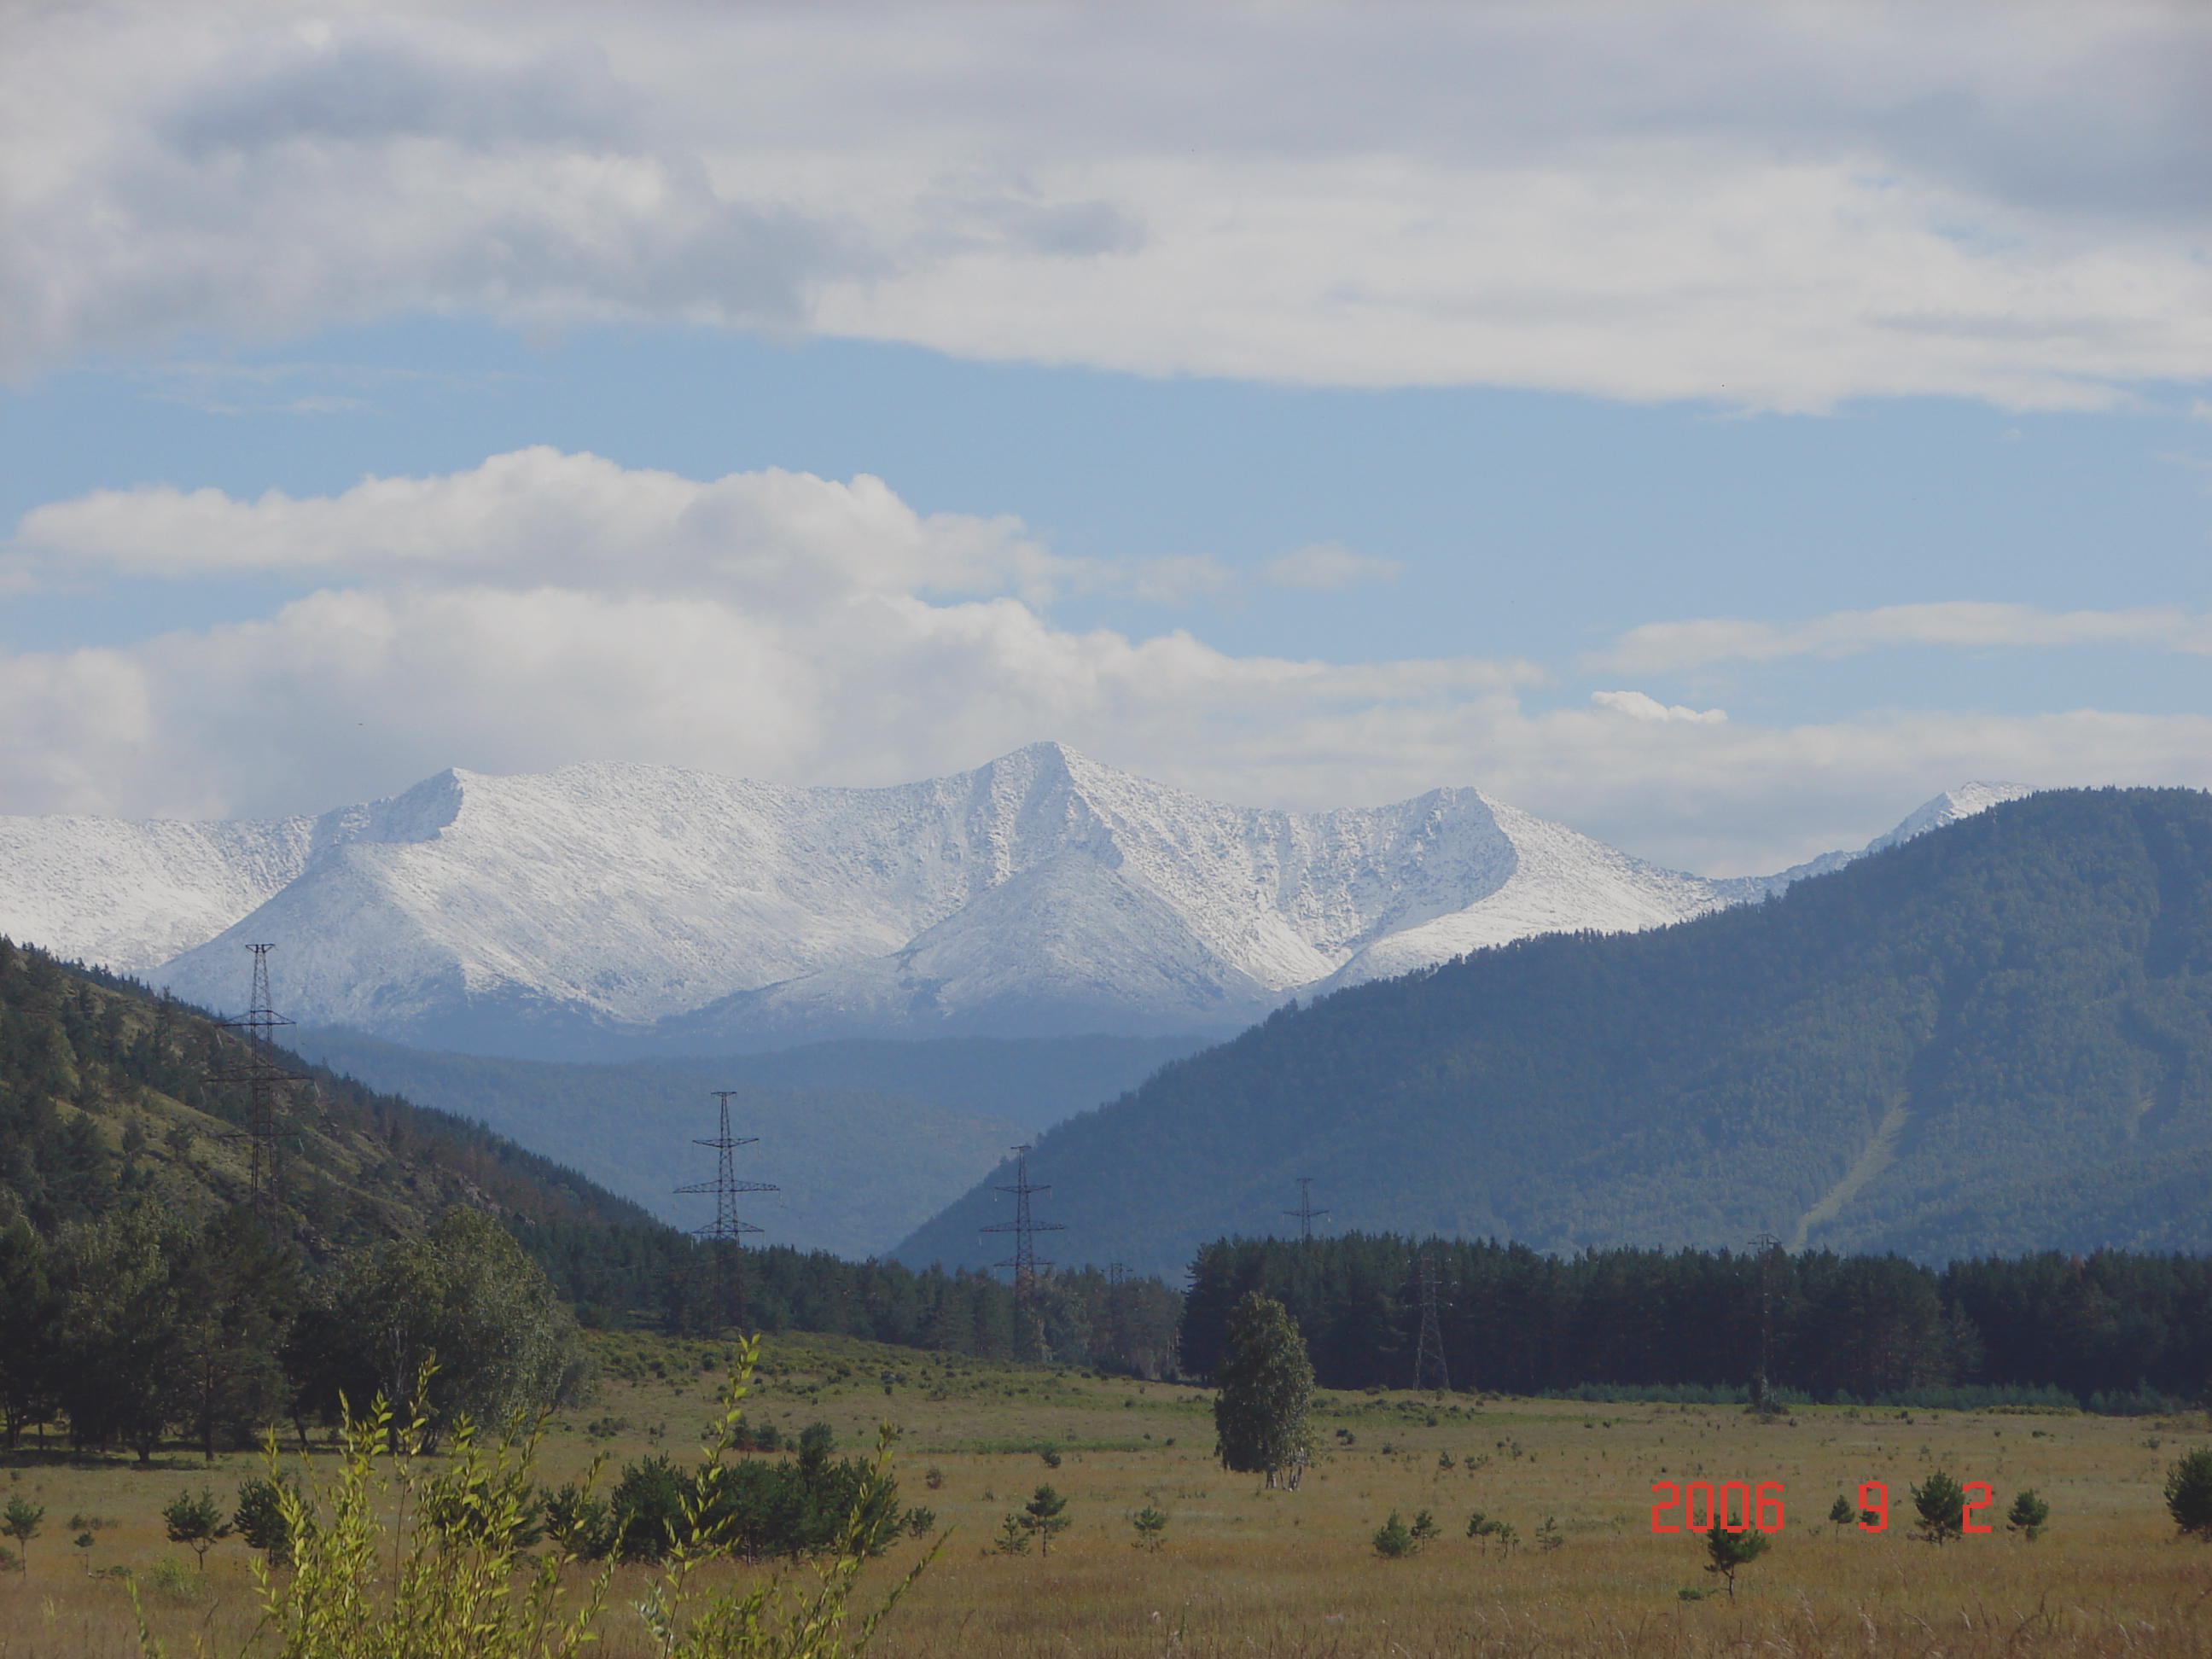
[1245, 1571]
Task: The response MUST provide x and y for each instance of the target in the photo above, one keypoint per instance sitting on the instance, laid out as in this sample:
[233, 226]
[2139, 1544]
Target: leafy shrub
[373, 1579]
[176, 1580]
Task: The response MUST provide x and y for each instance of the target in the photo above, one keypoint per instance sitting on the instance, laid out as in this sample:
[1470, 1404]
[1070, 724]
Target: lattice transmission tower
[1306, 1214]
[727, 1232]
[1429, 1354]
[265, 1077]
[1025, 1227]
[726, 1227]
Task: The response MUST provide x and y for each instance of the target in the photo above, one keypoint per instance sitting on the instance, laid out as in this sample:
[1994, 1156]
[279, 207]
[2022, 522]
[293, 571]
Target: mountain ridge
[609, 909]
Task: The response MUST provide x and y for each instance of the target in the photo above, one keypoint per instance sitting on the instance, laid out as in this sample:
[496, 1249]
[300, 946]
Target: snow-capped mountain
[605, 908]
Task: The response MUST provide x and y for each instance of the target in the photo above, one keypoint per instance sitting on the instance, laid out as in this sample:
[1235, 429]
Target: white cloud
[1638, 706]
[1676, 646]
[1323, 566]
[546, 608]
[1768, 206]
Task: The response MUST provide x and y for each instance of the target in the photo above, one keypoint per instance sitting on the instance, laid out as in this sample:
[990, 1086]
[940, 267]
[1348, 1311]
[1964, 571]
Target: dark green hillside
[105, 1100]
[1992, 1040]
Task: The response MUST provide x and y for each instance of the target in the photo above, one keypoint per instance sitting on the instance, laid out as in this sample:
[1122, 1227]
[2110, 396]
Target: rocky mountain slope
[607, 909]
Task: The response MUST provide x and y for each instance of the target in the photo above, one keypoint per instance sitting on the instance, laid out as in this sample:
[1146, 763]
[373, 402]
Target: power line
[1306, 1214]
[263, 1076]
[1429, 1355]
[1025, 1227]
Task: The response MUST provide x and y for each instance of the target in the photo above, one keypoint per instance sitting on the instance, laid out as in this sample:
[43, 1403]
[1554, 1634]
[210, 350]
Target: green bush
[2189, 1493]
[1393, 1540]
[260, 1518]
[2028, 1515]
[394, 1559]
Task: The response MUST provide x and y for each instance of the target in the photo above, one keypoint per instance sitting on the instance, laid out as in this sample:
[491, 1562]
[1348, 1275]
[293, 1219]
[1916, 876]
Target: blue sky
[1721, 471]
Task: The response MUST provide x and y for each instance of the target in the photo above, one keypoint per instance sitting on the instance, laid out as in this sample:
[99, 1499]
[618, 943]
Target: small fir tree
[1041, 1515]
[1941, 1503]
[1151, 1524]
[1423, 1528]
[1013, 1538]
[195, 1523]
[1730, 1551]
[2028, 1515]
[1393, 1541]
[20, 1522]
[259, 1518]
[2189, 1493]
[1842, 1513]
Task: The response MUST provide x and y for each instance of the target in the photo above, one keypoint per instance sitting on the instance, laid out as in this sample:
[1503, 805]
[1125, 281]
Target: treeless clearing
[1244, 1570]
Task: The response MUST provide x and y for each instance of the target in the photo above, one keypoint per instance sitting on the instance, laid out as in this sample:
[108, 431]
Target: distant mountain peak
[1948, 808]
[609, 905]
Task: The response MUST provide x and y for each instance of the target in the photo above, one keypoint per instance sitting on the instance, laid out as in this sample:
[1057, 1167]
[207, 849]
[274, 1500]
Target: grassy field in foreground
[1247, 1571]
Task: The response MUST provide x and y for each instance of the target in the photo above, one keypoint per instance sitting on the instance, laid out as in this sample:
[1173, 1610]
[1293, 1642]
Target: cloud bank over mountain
[1769, 207]
[544, 609]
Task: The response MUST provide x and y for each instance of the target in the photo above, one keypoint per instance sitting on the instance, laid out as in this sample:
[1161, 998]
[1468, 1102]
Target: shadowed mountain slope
[1993, 1038]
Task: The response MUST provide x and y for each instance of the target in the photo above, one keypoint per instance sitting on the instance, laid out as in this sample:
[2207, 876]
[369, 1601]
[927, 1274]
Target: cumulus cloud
[1677, 646]
[1640, 706]
[545, 608]
[1765, 206]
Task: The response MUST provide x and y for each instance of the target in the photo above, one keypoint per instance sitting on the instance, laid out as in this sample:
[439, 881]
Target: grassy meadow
[1244, 1570]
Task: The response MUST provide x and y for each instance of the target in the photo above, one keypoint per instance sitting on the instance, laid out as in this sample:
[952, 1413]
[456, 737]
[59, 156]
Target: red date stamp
[1731, 1506]
[1698, 1506]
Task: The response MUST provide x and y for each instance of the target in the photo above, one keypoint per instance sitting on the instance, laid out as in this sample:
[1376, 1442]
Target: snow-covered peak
[1949, 807]
[1043, 890]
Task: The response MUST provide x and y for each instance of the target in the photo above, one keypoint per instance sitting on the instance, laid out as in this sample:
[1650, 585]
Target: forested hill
[1992, 1040]
[105, 1098]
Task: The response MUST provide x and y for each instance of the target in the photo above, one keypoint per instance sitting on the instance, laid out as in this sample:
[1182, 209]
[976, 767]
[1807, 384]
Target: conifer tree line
[660, 1280]
[2110, 1331]
[145, 1326]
